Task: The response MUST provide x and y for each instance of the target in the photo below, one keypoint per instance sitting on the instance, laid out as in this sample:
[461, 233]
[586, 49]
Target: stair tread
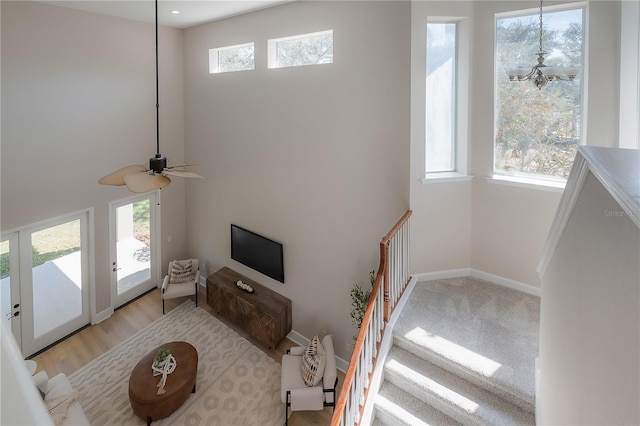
[399, 407]
[484, 331]
[459, 398]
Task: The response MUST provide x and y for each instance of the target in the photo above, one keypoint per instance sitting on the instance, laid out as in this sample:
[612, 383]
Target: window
[231, 58]
[537, 132]
[304, 49]
[440, 105]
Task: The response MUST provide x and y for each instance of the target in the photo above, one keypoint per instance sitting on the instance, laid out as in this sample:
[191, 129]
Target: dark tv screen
[257, 252]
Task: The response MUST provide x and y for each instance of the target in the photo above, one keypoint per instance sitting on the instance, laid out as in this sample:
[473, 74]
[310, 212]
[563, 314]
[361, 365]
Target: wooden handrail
[382, 280]
[396, 227]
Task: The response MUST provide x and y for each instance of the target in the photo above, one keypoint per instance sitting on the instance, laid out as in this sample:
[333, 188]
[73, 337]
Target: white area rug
[237, 383]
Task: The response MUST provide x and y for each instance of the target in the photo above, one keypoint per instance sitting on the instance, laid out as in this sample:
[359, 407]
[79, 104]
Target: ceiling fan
[139, 178]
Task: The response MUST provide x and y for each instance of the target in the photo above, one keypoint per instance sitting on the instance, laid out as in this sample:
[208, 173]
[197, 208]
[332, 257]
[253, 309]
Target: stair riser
[455, 412]
[511, 395]
[387, 418]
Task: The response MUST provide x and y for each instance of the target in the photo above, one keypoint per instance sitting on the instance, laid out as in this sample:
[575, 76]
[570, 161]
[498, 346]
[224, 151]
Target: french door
[133, 230]
[45, 280]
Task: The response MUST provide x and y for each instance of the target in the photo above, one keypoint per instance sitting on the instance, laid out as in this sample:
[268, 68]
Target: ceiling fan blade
[182, 173]
[145, 182]
[117, 178]
[179, 165]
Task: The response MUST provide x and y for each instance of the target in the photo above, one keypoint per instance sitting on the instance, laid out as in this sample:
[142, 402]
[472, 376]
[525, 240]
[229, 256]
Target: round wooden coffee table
[182, 382]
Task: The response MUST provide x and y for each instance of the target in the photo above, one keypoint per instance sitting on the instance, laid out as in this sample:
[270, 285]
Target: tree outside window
[538, 131]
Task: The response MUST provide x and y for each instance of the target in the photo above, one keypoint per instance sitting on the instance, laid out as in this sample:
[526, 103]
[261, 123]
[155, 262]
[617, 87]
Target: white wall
[491, 227]
[78, 102]
[441, 221]
[590, 322]
[316, 157]
[21, 401]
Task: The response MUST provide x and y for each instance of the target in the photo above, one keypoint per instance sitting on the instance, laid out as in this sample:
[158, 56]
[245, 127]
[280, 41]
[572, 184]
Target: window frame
[460, 121]
[454, 101]
[524, 179]
[272, 49]
[214, 66]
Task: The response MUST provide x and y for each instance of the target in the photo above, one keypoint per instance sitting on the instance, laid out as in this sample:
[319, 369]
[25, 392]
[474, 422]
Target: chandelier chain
[540, 25]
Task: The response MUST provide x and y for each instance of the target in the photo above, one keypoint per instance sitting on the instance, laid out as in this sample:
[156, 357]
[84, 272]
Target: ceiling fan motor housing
[158, 163]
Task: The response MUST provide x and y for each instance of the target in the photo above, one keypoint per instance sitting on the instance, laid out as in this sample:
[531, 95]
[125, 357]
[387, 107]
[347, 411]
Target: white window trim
[272, 48]
[629, 73]
[530, 183]
[445, 177]
[214, 57]
[462, 103]
[542, 182]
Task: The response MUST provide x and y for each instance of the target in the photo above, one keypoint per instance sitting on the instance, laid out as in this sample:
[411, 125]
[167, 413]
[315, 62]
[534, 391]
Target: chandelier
[540, 73]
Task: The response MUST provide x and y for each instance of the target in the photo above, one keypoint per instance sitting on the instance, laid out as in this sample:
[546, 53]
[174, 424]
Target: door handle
[116, 269]
[10, 316]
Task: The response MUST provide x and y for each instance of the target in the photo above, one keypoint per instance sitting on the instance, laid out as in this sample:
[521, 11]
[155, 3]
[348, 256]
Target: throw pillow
[313, 362]
[41, 380]
[180, 271]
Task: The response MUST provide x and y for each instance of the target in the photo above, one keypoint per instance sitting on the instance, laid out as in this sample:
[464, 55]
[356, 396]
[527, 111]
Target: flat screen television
[257, 252]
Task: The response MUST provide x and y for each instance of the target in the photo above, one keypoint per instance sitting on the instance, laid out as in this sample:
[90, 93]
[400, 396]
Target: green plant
[360, 300]
[161, 355]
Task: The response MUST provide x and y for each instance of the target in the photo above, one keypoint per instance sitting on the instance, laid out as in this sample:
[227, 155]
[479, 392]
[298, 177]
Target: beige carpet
[237, 383]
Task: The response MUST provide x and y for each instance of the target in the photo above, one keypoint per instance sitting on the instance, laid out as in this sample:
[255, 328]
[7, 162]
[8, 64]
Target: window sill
[522, 182]
[445, 177]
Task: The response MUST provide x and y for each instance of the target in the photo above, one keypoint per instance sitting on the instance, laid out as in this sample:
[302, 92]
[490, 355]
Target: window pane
[231, 58]
[57, 276]
[133, 246]
[5, 280]
[538, 130]
[306, 49]
[440, 97]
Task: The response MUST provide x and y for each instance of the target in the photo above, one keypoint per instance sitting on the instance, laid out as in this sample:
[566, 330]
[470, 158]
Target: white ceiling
[192, 12]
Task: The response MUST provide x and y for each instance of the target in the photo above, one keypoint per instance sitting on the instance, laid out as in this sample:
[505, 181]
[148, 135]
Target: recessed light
[175, 12]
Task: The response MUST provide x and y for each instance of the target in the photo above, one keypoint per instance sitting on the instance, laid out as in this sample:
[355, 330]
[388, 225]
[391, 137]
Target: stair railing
[391, 280]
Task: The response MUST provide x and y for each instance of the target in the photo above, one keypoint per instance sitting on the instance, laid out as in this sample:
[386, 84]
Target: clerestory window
[239, 57]
[304, 49]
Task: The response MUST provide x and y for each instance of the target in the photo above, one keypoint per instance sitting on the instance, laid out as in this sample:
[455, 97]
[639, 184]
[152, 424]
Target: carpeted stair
[464, 353]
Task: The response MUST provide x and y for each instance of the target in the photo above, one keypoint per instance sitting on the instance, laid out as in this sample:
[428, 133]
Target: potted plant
[161, 356]
[360, 300]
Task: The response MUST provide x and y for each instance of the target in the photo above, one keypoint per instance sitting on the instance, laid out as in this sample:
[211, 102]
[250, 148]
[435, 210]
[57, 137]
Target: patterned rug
[237, 383]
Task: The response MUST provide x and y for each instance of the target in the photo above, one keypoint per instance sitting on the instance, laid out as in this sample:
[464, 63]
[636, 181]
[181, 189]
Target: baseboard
[101, 316]
[481, 275]
[441, 275]
[537, 387]
[301, 340]
[506, 282]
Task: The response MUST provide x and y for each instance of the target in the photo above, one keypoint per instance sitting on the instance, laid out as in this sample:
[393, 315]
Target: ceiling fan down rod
[157, 163]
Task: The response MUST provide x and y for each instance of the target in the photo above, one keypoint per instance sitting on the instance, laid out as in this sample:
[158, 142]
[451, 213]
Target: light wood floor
[76, 351]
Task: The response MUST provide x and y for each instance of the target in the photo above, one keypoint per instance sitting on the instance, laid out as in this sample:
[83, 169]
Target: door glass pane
[5, 280]
[57, 276]
[133, 245]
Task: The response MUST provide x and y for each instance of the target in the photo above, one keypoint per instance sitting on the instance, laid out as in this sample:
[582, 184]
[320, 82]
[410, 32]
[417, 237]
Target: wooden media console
[264, 314]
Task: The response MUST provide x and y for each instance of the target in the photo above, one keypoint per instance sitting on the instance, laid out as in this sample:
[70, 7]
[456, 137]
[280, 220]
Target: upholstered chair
[298, 395]
[181, 280]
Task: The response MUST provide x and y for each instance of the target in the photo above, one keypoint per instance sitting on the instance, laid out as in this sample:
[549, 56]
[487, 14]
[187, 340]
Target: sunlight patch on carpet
[453, 351]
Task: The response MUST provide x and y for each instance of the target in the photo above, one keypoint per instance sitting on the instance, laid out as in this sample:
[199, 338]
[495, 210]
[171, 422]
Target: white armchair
[295, 393]
[181, 280]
